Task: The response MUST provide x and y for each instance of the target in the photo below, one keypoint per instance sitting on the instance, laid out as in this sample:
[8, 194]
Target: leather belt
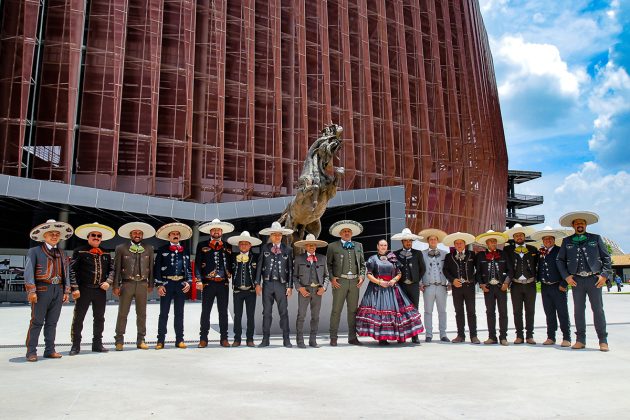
[550, 282]
[135, 279]
[526, 281]
[242, 287]
[52, 280]
[175, 278]
[436, 284]
[494, 282]
[217, 279]
[465, 281]
[349, 276]
[585, 273]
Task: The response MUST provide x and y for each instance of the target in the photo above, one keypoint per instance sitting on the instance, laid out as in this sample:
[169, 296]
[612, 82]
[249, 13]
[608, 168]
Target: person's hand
[321, 291]
[116, 291]
[76, 294]
[504, 287]
[562, 289]
[484, 288]
[199, 285]
[304, 292]
[392, 282]
[161, 290]
[383, 283]
[457, 283]
[600, 282]
[335, 283]
[571, 281]
[66, 298]
[186, 287]
[32, 297]
[360, 282]
[449, 287]
[289, 291]
[105, 286]
[422, 287]
[258, 290]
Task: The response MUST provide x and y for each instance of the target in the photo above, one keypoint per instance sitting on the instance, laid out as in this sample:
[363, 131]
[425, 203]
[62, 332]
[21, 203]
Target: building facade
[218, 100]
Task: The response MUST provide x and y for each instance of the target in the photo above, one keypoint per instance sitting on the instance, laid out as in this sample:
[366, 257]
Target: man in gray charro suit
[346, 266]
[310, 278]
[585, 264]
[434, 283]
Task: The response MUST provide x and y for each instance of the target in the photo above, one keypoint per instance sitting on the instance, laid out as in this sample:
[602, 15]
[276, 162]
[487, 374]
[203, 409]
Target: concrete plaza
[436, 380]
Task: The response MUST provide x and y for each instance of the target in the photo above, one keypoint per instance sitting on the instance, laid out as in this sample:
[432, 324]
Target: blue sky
[562, 69]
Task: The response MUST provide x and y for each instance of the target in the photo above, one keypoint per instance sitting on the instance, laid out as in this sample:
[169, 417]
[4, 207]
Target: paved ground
[432, 380]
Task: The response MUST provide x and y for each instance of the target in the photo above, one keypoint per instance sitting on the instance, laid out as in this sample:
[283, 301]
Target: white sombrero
[84, 230]
[310, 239]
[244, 237]
[51, 225]
[276, 227]
[491, 234]
[558, 234]
[337, 227]
[590, 217]
[226, 227]
[449, 240]
[406, 235]
[125, 230]
[518, 228]
[184, 230]
[432, 232]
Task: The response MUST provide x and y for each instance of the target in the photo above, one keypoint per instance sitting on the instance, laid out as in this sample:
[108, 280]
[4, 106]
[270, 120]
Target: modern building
[217, 101]
[517, 202]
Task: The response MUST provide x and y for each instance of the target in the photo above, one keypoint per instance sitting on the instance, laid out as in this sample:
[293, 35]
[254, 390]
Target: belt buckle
[244, 287]
[584, 274]
[407, 282]
[493, 282]
[55, 280]
[314, 284]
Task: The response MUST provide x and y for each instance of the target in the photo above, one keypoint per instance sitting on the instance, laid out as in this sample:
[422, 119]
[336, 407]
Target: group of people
[388, 311]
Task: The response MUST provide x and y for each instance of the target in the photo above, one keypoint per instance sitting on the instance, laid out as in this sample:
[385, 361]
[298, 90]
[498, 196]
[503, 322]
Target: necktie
[242, 258]
[216, 245]
[276, 249]
[521, 250]
[136, 249]
[177, 248]
[96, 251]
[578, 238]
[434, 253]
[311, 258]
[348, 245]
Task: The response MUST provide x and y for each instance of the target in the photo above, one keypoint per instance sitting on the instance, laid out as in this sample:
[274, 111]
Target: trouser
[586, 287]
[494, 298]
[45, 313]
[555, 303]
[412, 291]
[348, 292]
[247, 298]
[175, 294]
[523, 295]
[275, 291]
[434, 294]
[465, 295]
[98, 298]
[220, 291]
[315, 302]
[138, 291]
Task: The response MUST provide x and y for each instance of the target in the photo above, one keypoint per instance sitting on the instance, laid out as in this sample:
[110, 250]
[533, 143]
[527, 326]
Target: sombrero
[590, 217]
[216, 224]
[432, 232]
[337, 227]
[84, 230]
[184, 230]
[517, 228]
[276, 227]
[449, 240]
[558, 234]
[405, 235]
[491, 234]
[37, 234]
[244, 237]
[125, 230]
[310, 239]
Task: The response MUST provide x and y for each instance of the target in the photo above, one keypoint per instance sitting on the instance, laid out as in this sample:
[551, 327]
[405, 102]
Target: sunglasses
[96, 235]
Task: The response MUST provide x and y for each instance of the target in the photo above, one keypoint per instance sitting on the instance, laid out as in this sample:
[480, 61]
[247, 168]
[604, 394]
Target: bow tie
[276, 249]
[242, 258]
[542, 251]
[176, 248]
[136, 249]
[348, 245]
[311, 258]
[55, 252]
[578, 238]
[405, 253]
[460, 256]
[96, 251]
[216, 245]
[492, 255]
[434, 253]
[521, 250]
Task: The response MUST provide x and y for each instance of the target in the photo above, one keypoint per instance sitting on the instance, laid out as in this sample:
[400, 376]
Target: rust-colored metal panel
[217, 100]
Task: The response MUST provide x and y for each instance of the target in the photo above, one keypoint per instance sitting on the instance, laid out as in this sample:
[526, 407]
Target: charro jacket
[133, 266]
[89, 269]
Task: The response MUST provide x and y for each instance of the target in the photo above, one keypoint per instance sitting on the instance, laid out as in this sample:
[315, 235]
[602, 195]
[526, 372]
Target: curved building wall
[218, 100]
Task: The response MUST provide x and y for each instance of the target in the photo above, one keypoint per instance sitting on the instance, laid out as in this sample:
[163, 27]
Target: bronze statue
[316, 186]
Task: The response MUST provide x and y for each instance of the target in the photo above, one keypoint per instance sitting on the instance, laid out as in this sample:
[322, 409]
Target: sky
[562, 70]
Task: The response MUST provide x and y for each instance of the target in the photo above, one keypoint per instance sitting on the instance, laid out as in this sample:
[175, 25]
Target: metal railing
[524, 197]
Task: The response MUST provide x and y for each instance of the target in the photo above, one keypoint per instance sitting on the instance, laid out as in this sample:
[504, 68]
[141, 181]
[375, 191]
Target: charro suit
[412, 269]
[523, 286]
[312, 275]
